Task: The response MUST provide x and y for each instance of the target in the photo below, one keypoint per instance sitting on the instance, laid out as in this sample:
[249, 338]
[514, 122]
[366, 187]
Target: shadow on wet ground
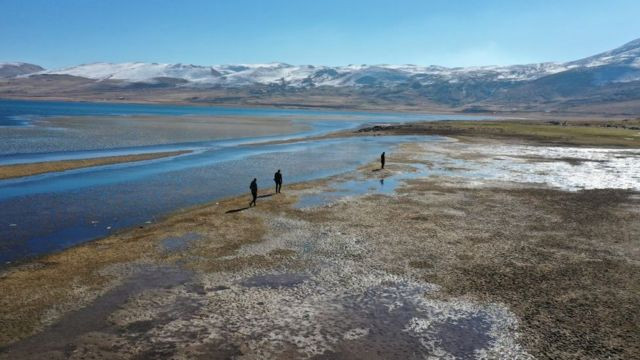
[237, 210]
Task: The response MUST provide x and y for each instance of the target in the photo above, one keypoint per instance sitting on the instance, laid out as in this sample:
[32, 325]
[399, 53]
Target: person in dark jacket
[382, 160]
[277, 177]
[254, 192]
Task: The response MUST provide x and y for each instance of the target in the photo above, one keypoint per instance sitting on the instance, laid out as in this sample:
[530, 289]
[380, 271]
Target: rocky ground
[440, 266]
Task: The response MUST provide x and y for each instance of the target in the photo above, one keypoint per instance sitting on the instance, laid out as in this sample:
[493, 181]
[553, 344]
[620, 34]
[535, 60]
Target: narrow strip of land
[604, 133]
[21, 170]
[618, 133]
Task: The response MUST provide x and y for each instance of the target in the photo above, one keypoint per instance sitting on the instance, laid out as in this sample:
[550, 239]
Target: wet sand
[443, 266]
[21, 170]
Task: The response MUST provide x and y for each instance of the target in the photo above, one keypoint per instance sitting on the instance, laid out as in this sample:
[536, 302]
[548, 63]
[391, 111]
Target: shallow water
[33, 130]
[382, 184]
[49, 212]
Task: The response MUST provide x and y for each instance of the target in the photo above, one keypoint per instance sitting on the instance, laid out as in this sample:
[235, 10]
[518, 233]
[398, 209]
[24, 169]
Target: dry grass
[577, 133]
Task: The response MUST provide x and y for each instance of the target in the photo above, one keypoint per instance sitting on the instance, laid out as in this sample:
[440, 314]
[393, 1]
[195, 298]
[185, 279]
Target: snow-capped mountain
[626, 60]
[303, 75]
[621, 65]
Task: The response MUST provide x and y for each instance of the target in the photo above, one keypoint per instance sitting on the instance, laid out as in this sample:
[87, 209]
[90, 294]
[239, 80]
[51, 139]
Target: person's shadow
[248, 207]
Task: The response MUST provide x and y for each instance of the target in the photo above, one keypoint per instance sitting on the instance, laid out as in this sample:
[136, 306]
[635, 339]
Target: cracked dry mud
[444, 267]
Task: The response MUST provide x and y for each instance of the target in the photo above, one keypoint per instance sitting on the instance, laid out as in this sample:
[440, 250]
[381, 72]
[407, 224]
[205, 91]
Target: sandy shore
[442, 266]
[20, 170]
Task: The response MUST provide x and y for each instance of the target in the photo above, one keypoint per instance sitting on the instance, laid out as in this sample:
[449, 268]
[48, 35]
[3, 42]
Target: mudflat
[456, 264]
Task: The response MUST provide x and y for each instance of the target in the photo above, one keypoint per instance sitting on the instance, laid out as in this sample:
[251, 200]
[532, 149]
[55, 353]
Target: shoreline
[374, 240]
[533, 115]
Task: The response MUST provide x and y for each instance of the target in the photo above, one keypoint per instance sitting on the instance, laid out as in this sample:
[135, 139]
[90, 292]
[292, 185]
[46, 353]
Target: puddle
[179, 243]
[381, 185]
[463, 337]
[274, 281]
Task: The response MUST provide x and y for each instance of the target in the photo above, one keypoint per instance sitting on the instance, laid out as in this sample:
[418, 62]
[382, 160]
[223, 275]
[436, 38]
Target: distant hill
[9, 70]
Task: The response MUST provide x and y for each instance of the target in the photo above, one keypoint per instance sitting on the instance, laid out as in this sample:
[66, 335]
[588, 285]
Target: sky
[59, 33]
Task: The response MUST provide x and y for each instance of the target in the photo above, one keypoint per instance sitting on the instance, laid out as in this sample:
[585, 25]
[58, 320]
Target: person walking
[277, 177]
[254, 192]
[382, 160]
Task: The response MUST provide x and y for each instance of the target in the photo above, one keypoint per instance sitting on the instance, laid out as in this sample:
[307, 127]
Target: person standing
[277, 177]
[382, 160]
[254, 192]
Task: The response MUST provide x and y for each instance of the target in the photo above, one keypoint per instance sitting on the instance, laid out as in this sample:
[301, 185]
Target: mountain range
[611, 77]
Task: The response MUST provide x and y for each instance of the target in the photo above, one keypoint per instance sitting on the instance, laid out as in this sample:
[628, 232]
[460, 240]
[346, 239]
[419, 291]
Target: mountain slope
[9, 70]
[627, 54]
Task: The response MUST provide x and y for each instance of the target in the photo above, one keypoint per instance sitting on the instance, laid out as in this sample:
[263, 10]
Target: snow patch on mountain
[138, 71]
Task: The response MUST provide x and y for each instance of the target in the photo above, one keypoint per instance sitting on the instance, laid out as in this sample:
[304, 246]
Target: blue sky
[56, 33]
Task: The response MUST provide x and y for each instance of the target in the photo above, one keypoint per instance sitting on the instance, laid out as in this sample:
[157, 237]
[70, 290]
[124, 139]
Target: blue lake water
[49, 212]
[22, 112]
